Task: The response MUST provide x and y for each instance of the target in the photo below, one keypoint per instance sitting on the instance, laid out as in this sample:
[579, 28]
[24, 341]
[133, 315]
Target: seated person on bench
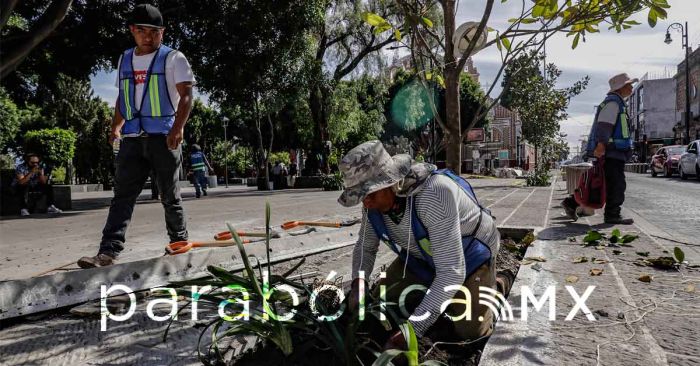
[30, 178]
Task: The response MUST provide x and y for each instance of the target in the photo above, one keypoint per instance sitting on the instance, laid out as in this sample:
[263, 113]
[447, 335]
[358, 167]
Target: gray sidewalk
[636, 323]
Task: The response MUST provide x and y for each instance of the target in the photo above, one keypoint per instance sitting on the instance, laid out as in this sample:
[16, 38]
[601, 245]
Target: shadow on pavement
[528, 348]
[40, 216]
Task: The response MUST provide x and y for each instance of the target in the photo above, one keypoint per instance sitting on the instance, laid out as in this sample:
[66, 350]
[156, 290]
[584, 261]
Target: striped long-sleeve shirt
[447, 214]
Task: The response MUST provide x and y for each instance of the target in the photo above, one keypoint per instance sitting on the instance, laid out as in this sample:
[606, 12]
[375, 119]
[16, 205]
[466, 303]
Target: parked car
[666, 160]
[690, 161]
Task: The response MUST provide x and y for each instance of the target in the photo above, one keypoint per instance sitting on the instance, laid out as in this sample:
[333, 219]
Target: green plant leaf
[616, 232]
[592, 236]
[652, 17]
[373, 19]
[386, 357]
[629, 238]
[428, 23]
[440, 80]
[397, 35]
[576, 39]
[246, 261]
[678, 254]
[410, 335]
[506, 43]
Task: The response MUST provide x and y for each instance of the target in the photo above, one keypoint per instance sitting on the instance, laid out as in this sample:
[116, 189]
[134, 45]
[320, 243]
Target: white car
[690, 163]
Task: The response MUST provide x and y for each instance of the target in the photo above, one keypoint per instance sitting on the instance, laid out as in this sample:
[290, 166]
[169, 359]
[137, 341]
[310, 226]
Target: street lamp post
[224, 121]
[668, 40]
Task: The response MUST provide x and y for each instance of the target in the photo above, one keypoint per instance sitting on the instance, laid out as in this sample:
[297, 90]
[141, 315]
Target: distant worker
[199, 164]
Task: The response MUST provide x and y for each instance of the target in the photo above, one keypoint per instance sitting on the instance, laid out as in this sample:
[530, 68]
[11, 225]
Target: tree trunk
[318, 103]
[454, 130]
[262, 186]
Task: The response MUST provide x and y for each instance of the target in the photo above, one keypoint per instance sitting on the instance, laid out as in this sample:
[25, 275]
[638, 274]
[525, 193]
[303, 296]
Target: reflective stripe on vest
[425, 268]
[197, 161]
[156, 114]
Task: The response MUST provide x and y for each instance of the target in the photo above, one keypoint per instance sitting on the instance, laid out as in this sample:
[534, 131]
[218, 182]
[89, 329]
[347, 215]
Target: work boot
[619, 220]
[100, 260]
[504, 281]
[204, 191]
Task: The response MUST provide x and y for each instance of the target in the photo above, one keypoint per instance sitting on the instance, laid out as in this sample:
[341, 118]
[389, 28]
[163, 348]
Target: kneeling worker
[433, 216]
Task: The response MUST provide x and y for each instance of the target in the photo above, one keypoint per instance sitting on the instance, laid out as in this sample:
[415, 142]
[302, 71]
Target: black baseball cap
[146, 15]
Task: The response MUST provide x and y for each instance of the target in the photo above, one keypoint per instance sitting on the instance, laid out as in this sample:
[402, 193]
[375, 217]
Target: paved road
[669, 203]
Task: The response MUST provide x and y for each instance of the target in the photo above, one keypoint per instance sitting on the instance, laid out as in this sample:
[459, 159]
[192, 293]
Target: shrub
[332, 182]
[56, 146]
[58, 175]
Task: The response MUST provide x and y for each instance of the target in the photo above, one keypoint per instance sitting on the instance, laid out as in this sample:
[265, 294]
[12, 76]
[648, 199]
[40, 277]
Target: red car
[666, 160]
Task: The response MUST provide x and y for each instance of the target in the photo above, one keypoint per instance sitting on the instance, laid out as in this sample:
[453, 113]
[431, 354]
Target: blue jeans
[136, 157]
[200, 182]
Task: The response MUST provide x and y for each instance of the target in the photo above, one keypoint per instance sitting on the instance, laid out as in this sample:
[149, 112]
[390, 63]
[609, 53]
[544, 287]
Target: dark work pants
[137, 156]
[43, 189]
[200, 182]
[615, 187]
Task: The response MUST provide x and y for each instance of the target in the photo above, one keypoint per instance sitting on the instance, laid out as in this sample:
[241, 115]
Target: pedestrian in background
[199, 165]
[610, 139]
[31, 178]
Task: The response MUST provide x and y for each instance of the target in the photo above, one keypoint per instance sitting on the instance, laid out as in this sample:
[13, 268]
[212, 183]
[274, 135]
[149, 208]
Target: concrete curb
[32, 295]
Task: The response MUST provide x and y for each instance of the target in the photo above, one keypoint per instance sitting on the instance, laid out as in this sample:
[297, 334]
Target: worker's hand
[353, 298]
[599, 151]
[396, 341]
[114, 135]
[175, 138]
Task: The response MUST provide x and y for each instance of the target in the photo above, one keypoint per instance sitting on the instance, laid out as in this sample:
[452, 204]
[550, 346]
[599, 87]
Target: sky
[636, 51]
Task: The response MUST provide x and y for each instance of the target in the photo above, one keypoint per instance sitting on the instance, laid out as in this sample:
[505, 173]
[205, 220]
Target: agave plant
[346, 341]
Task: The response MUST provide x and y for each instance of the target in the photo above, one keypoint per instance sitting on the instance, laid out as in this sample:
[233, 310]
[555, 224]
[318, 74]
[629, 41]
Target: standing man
[443, 238]
[31, 178]
[199, 164]
[610, 139]
[155, 99]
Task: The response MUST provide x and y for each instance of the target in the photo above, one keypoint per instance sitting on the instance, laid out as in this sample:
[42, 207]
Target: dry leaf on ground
[536, 259]
[596, 272]
[572, 279]
[581, 260]
[646, 278]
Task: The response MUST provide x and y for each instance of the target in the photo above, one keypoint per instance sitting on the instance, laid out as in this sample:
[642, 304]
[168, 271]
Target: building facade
[651, 112]
[679, 133]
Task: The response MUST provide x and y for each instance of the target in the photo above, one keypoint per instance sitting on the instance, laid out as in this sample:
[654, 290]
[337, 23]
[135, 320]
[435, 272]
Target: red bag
[591, 186]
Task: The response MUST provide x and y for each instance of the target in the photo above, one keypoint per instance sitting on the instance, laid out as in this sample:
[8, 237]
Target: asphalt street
[671, 204]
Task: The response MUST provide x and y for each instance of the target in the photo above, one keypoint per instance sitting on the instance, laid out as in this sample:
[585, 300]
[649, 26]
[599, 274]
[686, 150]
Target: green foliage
[281, 156]
[540, 177]
[221, 153]
[10, 117]
[58, 175]
[6, 162]
[332, 182]
[56, 146]
[356, 112]
[538, 101]
[73, 106]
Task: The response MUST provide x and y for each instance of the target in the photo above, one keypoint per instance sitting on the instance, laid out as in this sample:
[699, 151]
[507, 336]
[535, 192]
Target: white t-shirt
[177, 70]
